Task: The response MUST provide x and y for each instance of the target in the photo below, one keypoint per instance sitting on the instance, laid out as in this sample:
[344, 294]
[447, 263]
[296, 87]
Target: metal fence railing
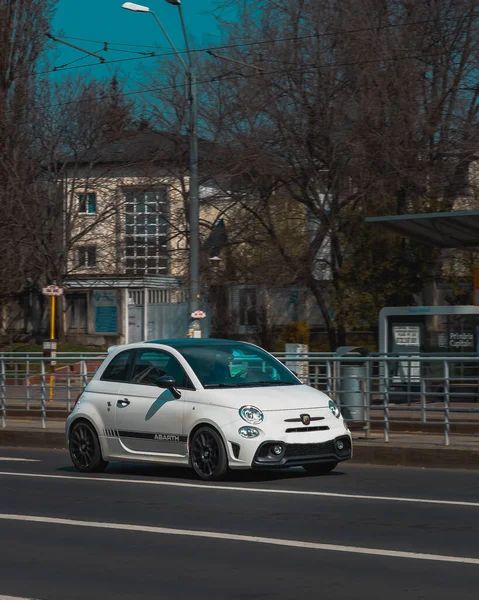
[37, 387]
[407, 392]
[385, 393]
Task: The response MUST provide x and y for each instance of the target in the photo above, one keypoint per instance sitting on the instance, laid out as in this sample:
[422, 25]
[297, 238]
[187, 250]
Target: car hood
[288, 397]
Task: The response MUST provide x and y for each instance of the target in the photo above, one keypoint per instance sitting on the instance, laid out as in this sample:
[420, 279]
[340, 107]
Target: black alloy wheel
[320, 468]
[85, 449]
[208, 454]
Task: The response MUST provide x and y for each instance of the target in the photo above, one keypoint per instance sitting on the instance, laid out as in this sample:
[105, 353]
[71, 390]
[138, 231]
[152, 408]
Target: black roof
[456, 229]
[136, 147]
[201, 342]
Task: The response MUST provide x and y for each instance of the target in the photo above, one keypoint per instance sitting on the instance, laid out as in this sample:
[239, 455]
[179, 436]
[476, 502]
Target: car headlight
[251, 414]
[248, 432]
[334, 409]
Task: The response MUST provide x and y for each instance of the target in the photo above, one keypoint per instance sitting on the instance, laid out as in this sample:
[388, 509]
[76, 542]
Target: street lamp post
[193, 214]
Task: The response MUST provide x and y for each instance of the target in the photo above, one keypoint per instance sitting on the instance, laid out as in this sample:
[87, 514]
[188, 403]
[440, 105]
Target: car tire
[207, 454]
[320, 468]
[84, 447]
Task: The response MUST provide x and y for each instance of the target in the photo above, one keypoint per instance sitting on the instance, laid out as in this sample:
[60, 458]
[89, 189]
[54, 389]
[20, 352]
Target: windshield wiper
[264, 383]
[210, 386]
[274, 382]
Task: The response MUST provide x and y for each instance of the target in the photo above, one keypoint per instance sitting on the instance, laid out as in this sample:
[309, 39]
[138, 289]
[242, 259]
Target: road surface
[362, 532]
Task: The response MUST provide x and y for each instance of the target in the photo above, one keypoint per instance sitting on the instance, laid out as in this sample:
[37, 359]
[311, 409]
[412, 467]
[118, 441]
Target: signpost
[192, 332]
[50, 346]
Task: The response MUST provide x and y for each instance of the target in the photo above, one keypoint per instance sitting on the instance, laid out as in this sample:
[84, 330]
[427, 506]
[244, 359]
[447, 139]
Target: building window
[146, 231]
[87, 203]
[87, 256]
[247, 307]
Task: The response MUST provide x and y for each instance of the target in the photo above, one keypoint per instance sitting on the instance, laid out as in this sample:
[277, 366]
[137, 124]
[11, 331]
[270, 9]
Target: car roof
[201, 342]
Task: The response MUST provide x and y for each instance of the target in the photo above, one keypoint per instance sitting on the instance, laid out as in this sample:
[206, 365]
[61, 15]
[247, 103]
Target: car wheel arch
[212, 426]
[83, 419]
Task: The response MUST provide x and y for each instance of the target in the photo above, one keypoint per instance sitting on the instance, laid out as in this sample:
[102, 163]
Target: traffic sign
[52, 290]
[198, 314]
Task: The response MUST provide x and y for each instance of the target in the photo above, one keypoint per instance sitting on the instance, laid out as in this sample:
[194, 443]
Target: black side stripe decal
[158, 437]
[110, 433]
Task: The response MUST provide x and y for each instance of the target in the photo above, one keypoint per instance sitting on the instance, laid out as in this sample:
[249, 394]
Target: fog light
[339, 444]
[277, 449]
[248, 432]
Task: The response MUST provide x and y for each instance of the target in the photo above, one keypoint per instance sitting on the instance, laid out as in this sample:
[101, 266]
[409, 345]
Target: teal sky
[105, 20]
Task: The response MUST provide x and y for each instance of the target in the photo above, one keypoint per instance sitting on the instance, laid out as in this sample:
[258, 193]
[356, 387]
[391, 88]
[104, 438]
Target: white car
[208, 404]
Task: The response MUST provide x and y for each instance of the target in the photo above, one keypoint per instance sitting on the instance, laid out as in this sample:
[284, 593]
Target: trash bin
[352, 377]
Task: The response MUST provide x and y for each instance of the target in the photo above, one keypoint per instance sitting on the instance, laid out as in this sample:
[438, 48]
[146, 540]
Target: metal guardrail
[407, 390]
[32, 385]
[374, 392]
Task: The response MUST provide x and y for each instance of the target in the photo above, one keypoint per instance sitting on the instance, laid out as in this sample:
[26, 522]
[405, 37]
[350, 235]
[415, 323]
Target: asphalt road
[361, 532]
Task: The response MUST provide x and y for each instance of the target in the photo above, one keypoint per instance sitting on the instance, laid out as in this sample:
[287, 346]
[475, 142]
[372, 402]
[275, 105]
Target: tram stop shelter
[456, 229]
[454, 328]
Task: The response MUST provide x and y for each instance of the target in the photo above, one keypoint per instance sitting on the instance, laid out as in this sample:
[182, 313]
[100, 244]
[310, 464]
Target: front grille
[299, 420]
[301, 450]
[306, 429]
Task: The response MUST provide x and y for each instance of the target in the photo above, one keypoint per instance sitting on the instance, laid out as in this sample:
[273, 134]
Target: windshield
[236, 365]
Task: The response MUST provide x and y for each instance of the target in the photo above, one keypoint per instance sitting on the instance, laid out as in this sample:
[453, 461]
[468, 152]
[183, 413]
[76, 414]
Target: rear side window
[151, 364]
[117, 369]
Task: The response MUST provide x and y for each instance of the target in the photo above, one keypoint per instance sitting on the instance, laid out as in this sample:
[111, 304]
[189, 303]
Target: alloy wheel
[82, 446]
[205, 453]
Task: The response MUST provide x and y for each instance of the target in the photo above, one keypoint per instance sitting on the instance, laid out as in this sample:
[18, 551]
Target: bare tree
[23, 26]
[349, 109]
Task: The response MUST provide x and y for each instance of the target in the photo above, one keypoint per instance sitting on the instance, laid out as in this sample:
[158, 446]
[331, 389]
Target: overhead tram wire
[231, 46]
[305, 68]
[285, 39]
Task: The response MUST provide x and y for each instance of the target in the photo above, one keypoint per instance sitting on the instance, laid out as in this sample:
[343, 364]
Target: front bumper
[301, 444]
[302, 454]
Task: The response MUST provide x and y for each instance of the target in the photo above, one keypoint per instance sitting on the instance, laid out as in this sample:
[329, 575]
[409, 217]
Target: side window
[150, 364]
[117, 369]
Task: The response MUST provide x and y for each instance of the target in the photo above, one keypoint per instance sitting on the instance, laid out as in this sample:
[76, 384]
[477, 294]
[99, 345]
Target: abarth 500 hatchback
[204, 403]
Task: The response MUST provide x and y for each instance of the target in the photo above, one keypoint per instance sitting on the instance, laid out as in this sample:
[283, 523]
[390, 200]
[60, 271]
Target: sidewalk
[403, 449]
[417, 450]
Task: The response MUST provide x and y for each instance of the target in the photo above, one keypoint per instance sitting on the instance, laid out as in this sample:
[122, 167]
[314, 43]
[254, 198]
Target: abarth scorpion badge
[305, 419]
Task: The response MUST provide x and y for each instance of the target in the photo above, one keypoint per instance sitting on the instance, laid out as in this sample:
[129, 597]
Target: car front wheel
[85, 450]
[208, 454]
[320, 468]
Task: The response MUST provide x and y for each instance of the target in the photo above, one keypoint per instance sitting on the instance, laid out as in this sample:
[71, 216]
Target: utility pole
[194, 296]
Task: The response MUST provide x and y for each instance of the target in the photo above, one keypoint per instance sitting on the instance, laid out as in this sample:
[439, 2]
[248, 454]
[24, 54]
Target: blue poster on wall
[106, 311]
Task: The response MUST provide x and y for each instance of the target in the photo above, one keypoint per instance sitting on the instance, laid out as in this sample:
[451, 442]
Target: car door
[105, 390]
[149, 419]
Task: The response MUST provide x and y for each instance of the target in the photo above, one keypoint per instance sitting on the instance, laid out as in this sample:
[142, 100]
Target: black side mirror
[167, 382]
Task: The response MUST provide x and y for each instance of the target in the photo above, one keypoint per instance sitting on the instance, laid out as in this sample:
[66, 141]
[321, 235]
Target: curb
[407, 456]
[33, 439]
[364, 453]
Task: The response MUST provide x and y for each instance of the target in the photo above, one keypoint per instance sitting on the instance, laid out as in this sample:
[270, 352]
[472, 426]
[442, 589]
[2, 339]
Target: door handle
[124, 402]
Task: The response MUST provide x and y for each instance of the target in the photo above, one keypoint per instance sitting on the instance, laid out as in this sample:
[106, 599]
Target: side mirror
[167, 382]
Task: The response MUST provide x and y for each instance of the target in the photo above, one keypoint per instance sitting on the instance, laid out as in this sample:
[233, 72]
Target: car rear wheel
[85, 450]
[208, 454]
[320, 468]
